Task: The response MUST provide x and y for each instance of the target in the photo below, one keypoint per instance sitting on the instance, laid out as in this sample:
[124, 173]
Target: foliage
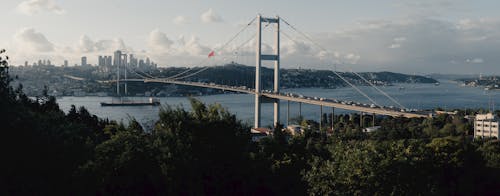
[207, 151]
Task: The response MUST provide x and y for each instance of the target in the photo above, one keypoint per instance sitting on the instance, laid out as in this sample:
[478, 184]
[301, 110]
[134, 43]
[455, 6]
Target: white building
[371, 129]
[486, 125]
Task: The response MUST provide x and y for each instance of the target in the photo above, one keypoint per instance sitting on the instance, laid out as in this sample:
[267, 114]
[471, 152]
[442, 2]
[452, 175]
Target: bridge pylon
[267, 57]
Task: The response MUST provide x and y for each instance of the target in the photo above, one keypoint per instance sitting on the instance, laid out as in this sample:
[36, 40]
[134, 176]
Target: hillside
[34, 78]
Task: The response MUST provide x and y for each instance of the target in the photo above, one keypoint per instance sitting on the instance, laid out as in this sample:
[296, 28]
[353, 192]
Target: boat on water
[126, 102]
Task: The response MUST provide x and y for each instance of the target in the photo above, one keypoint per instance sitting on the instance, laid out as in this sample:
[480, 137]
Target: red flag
[211, 54]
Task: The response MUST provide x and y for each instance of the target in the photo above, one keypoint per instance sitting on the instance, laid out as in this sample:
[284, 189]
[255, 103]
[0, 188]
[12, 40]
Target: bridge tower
[267, 57]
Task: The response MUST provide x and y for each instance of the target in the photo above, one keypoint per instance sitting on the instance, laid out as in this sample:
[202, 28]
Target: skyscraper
[117, 58]
[65, 63]
[101, 61]
[109, 61]
[84, 60]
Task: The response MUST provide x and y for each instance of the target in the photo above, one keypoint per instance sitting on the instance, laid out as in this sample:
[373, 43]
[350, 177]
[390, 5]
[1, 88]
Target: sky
[409, 36]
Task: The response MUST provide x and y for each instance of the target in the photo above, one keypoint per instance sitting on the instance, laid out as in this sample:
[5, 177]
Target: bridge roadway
[307, 100]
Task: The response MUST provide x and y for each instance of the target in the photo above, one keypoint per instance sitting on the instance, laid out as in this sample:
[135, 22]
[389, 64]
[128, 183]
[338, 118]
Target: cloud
[87, 45]
[159, 42]
[32, 7]
[426, 8]
[193, 47]
[399, 39]
[30, 40]
[352, 58]
[394, 46]
[475, 61]
[397, 42]
[180, 51]
[418, 45]
[210, 17]
[180, 20]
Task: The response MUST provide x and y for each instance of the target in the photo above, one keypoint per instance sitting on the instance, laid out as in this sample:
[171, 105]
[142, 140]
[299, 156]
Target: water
[448, 95]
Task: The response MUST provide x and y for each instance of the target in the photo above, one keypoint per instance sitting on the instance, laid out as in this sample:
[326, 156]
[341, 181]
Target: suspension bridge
[275, 95]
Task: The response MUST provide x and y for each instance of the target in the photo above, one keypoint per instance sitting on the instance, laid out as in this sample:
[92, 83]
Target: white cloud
[31, 7]
[394, 46]
[475, 61]
[180, 51]
[420, 45]
[158, 41]
[180, 20]
[194, 47]
[30, 40]
[352, 58]
[86, 45]
[399, 39]
[210, 16]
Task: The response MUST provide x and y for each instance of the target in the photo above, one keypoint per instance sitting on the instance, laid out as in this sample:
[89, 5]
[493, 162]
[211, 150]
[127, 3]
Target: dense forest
[208, 151]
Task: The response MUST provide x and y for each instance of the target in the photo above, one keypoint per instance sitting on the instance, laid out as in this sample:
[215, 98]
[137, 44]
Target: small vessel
[401, 88]
[437, 84]
[126, 102]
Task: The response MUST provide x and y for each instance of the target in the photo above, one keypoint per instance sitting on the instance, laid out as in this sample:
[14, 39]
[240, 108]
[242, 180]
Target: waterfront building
[486, 126]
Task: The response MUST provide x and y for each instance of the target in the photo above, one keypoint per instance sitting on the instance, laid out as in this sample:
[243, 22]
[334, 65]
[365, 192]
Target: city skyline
[107, 60]
[404, 36]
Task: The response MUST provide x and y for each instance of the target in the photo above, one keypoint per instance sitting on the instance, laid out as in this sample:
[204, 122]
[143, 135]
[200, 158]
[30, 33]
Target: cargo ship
[126, 102]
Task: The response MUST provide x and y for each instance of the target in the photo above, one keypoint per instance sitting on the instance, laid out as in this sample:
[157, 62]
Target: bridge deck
[370, 110]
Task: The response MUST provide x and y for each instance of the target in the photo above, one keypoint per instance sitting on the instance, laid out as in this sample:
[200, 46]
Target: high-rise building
[26, 63]
[133, 61]
[84, 60]
[101, 61]
[109, 61]
[117, 60]
[141, 64]
[48, 62]
[65, 63]
[148, 62]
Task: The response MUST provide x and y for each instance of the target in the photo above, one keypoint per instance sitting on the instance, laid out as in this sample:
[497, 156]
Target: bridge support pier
[373, 119]
[300, 110]
[288, 113]
[361, 119]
